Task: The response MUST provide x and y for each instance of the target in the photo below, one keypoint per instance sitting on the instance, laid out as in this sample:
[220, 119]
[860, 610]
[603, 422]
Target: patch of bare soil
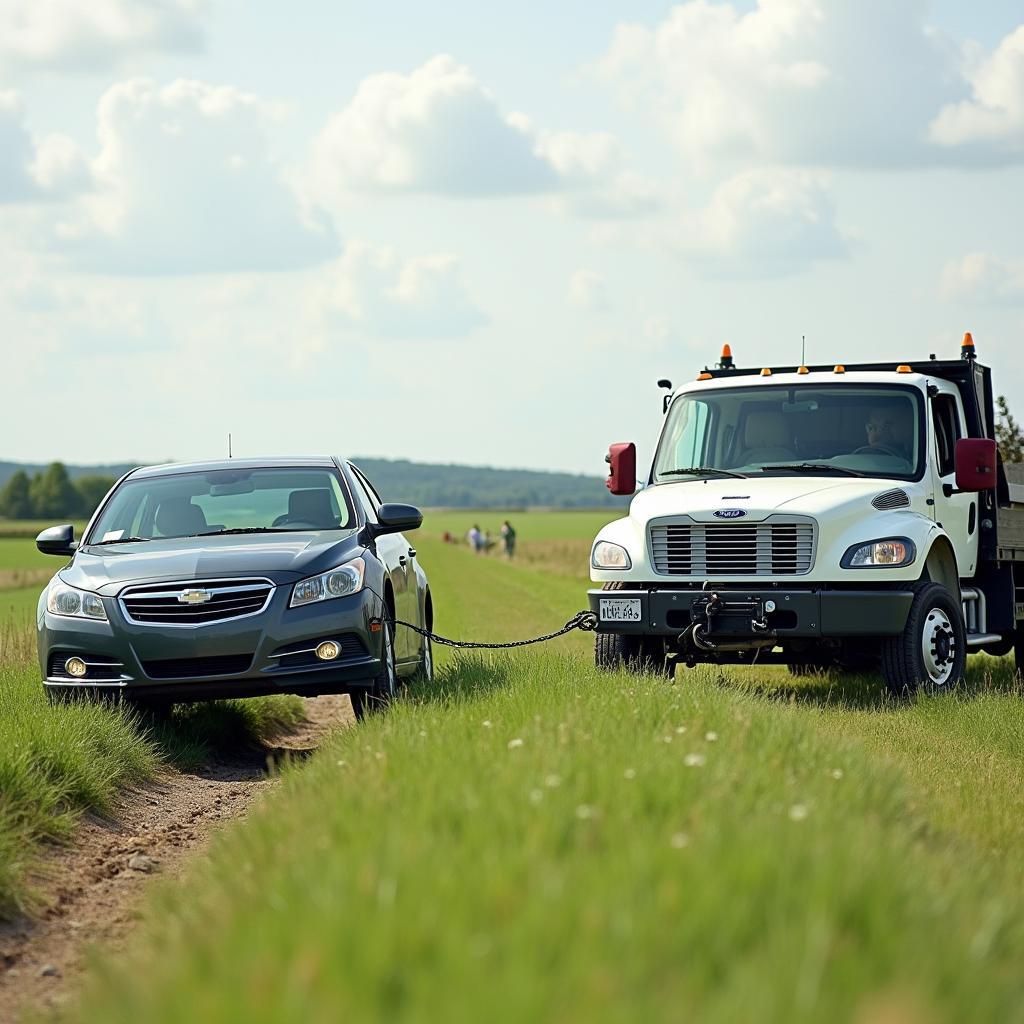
[92, 887]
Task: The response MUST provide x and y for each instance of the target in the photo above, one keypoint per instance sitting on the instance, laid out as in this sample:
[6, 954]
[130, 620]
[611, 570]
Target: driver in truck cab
[889, 427]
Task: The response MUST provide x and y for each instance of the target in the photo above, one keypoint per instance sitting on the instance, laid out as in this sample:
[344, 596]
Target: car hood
[281, 557]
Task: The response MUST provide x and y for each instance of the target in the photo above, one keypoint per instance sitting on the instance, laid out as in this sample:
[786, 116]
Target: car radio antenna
[803, 349]
[229, 446]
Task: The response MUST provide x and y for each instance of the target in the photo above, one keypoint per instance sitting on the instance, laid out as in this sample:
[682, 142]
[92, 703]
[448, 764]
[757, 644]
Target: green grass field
[531, 839]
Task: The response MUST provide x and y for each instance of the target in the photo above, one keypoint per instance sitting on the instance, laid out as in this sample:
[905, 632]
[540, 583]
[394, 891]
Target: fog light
[328, 650]
[75, 667]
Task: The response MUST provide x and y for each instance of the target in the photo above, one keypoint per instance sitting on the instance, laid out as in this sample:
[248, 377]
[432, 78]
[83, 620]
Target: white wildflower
[512, 744]
[486, 723]
[536, 795]
[679, 840]
[711, 737]
[798, 812]
[629, 773]
[694, 760]
[551, 781]
[585, 812]
[837, 773]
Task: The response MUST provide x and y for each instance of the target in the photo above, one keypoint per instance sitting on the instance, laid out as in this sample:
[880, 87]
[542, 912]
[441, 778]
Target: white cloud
[994, 115]
[439, 131]
[588, 290]
[31, 171]
[373, 292]
[189, 186]
[95, 34]
[983, 277]
[819, 82]
[772, 220]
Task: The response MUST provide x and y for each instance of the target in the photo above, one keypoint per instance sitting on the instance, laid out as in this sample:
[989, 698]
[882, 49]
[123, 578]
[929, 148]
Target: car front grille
[772, 548]
[174, 604]
[190, 668]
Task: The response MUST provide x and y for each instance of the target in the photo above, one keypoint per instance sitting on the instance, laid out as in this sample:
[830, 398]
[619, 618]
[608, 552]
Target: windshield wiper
[703, 471]
[242, 529]
[118, 540]
[814, 467]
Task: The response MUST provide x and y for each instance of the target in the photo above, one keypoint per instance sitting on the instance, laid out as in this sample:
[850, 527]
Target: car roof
[272, 462]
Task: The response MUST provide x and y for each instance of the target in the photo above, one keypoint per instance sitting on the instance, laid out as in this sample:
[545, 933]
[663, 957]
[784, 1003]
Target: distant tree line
[52, 494]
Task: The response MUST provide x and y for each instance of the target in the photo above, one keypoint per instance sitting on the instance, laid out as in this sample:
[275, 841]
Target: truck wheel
[931, 652]
[382, 689]
[616, 651]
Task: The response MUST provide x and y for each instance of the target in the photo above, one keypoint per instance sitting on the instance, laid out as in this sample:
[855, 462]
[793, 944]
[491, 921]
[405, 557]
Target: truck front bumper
[758, 613]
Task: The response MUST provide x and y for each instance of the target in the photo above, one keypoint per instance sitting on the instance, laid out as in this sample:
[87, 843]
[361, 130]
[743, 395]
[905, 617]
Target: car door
[956, 512]
[395, 552]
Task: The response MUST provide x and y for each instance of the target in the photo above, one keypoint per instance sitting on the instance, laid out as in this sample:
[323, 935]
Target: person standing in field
[508, 536]
[475, 538]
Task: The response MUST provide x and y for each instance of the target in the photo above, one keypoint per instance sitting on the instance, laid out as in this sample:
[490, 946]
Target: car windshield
[841, 430]
[224, 501]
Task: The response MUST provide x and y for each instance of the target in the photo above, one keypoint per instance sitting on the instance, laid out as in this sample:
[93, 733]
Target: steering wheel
[874, 449]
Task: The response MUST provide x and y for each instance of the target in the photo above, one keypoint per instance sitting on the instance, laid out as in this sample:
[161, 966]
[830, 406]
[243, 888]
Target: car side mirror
[622, 474]
[975, 462]
[393, 517]
[57, 540]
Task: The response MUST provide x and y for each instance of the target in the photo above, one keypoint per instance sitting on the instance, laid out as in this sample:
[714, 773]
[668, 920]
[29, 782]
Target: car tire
[384, 685]
[931, 652]
[425, 670]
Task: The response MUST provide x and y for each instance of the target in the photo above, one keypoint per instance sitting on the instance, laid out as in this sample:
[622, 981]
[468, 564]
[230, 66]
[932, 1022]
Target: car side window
[363, 495]
[947, 432]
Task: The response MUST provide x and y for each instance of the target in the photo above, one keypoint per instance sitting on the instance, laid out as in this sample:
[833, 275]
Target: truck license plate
[620, 609]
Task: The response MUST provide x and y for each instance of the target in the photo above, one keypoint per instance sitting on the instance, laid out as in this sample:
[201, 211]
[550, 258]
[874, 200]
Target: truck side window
[947, 431]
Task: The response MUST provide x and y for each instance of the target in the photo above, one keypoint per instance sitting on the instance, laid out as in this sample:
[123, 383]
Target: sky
[480, 233]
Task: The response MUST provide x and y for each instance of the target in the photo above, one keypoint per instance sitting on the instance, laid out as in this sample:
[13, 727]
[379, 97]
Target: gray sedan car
[234, 579]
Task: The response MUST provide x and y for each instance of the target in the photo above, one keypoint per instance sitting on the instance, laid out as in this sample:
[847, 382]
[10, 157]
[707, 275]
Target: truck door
[956, 513]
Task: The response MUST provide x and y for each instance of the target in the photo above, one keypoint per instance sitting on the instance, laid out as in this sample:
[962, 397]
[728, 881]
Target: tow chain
[586, 621]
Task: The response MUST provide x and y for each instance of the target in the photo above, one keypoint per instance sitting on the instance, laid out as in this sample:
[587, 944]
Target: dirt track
[94, 885]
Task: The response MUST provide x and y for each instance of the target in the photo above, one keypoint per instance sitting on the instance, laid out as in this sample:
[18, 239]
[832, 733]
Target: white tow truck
[854, 516]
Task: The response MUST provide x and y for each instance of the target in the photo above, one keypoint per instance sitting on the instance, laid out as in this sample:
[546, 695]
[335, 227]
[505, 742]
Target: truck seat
[766, 438]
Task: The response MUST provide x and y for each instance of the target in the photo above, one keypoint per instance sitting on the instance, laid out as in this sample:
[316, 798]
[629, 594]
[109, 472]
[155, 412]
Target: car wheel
[931, 652]
[425, 671]
[383, 686]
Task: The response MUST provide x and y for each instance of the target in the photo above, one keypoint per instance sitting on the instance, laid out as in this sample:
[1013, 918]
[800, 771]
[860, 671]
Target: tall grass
[534, 841]
[59, 760]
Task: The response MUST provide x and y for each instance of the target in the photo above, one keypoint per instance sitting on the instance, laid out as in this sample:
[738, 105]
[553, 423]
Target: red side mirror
[975, 464]
[622, 476]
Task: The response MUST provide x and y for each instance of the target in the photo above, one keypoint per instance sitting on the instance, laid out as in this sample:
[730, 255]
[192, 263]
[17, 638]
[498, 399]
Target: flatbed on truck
[854, 516]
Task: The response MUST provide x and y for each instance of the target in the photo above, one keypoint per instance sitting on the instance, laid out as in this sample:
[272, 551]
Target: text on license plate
[620, 609]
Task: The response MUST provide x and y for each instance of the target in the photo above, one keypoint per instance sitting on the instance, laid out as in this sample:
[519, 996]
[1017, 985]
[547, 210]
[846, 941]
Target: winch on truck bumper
[757, 614]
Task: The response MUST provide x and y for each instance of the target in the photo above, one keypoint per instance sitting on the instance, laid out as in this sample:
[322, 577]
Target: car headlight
[346, 579]
[64, 600]
[890, 553]
[610, 556]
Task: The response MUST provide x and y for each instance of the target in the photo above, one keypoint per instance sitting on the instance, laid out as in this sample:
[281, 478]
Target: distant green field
[530, 839]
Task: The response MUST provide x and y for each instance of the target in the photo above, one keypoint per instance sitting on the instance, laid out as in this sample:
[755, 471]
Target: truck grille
[733, 549]
[168, 604]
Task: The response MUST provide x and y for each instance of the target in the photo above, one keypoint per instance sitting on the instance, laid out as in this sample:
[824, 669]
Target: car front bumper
[761, 613]
[271, 652]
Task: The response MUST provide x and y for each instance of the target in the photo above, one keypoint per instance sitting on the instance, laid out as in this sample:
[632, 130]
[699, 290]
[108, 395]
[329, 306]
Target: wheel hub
[938, 647]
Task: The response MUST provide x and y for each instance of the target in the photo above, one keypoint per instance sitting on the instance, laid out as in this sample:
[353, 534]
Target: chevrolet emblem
[194, 596]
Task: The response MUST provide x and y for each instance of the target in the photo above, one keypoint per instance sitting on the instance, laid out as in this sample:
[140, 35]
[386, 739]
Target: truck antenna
[229, 446]
[803, 349]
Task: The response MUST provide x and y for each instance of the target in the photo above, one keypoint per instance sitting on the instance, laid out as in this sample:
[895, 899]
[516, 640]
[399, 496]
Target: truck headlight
[610, 556]
[346, 579]
[64, 600]
[890, 553]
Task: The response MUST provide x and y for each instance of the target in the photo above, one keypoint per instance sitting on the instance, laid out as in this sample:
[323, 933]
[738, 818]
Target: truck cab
[852, 516]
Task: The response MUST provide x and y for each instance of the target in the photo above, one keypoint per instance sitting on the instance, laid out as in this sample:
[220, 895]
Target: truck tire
[384, 685]
[931, 652]
[615, 651]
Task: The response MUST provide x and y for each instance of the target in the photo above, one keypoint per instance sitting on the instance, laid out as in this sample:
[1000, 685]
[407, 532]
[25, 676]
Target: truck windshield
[223, 501]
[848, 430]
